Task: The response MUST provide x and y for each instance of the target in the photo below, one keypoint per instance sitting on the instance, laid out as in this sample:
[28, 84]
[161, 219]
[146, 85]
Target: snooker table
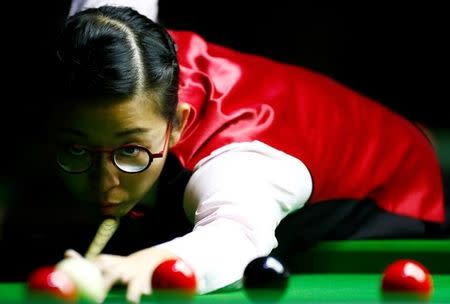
[303, 288]
[348, 272]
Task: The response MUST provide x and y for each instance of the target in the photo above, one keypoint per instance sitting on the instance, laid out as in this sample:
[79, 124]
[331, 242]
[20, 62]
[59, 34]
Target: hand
[134, 270]
[86, 276]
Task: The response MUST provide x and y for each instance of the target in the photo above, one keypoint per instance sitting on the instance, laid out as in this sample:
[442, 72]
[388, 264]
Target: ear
[182, 113]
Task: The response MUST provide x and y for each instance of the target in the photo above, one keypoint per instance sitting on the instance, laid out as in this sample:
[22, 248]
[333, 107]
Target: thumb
[70, 253]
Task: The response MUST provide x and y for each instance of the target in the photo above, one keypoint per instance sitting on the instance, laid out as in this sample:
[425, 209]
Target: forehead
[101, 121]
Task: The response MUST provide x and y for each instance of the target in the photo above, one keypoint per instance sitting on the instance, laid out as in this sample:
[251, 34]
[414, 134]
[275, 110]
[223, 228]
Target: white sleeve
[236, 197]
[148, 8]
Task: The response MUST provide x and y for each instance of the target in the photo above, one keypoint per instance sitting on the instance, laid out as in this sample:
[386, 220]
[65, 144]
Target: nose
[105, 173]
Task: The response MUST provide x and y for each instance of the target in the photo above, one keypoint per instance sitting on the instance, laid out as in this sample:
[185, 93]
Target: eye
[129, 151]
[76, 150]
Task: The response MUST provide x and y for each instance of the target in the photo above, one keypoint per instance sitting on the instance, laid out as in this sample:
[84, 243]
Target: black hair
[112, 53]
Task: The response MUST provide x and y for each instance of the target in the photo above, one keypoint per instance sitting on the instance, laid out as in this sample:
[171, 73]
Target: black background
[393, 53]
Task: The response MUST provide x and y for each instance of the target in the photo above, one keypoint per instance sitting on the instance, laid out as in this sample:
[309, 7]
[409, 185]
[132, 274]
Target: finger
[142, 284]
[146, 288]
[135, 290]
[70, 253]
[109, 282]
[146, 284]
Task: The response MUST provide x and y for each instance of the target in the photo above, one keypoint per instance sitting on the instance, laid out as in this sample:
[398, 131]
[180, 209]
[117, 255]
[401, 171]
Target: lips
[109, 208]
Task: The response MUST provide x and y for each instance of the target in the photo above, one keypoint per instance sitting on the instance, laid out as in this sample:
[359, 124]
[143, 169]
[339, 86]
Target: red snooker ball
[407, 276]
[175, 276]
[47, 280]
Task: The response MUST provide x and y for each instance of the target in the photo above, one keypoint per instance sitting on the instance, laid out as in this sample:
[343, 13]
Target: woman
[257, 149]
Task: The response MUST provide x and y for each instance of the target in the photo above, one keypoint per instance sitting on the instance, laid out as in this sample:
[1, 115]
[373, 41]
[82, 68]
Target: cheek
[139, 185]
[142, 182]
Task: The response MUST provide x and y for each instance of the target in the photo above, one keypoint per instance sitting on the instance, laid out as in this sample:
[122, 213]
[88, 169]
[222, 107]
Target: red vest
[354, 147]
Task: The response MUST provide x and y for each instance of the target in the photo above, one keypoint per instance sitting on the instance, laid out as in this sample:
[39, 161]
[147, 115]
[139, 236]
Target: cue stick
[104, 233]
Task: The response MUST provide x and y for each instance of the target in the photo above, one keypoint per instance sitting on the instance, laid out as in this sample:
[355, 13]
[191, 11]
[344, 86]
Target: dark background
[393, 53]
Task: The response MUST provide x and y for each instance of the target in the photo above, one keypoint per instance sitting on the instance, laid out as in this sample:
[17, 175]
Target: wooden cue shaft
[104, 233]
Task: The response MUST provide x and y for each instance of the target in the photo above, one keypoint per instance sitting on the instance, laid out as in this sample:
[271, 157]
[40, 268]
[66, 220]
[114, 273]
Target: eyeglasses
[128, 158]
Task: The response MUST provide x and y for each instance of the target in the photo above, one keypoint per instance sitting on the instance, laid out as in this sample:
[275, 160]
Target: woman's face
[109, 126]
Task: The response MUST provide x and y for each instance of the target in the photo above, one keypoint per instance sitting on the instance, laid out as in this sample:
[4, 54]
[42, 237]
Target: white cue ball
[86, 276]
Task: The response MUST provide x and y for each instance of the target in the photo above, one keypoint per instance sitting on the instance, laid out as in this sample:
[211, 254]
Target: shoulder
[249, 171]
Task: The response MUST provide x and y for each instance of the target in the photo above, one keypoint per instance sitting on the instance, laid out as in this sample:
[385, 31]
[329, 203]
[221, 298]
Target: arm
[237, 197]
[148, 8]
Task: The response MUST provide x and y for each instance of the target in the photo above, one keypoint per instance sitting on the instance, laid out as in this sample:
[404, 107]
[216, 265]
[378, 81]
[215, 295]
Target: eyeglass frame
[152, 156]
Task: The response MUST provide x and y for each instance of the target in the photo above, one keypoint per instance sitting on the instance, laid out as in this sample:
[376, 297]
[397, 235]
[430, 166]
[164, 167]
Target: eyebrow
[132, 132]
[123, 133]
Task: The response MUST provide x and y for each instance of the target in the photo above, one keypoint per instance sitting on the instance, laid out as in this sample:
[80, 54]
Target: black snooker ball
[265, 279]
